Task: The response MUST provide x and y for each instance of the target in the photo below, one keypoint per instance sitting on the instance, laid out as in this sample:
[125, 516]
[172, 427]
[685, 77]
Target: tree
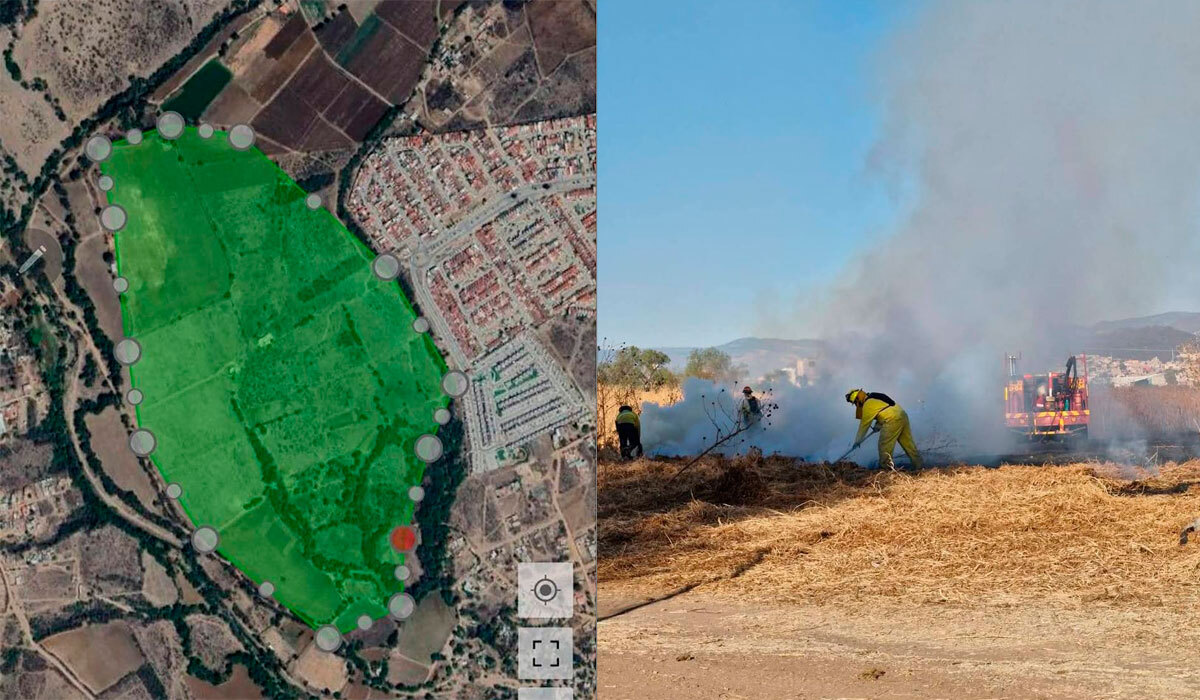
[636, 369]
[712, 364]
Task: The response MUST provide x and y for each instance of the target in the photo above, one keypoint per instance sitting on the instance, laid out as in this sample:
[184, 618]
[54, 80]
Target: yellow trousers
[893, 428]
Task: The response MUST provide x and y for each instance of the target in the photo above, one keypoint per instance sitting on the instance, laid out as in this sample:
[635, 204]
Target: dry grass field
[77, 649]
[239, 685]
[1017, 581]
[609, 400]
[1145, 411]
[815, 532]
[110, 440]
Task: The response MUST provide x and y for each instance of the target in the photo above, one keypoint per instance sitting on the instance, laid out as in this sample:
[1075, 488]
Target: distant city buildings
[497, 230]
[518, 392]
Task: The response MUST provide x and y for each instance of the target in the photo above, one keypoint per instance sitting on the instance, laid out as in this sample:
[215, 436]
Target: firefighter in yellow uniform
[890, 420]
[629, 432]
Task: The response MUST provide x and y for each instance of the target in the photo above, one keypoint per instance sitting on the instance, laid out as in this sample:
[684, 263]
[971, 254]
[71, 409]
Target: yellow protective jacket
[872, 409]
[629, 417]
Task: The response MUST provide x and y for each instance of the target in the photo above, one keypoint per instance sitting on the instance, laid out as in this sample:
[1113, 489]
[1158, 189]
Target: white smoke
[1053, 155]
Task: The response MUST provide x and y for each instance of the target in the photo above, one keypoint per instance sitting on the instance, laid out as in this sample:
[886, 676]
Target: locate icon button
[545, 590]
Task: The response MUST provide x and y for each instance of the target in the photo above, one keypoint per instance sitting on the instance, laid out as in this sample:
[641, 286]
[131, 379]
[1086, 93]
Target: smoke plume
[1052, 153]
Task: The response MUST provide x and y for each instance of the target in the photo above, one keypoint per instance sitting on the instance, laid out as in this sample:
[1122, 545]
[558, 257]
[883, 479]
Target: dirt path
[17, 607]
[701, 646]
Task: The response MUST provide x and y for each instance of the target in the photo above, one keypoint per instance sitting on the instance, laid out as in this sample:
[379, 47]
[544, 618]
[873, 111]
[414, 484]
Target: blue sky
[733, 145]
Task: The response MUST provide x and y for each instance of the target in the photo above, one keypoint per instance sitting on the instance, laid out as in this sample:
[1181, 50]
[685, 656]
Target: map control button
[545, 653]
[545, 590]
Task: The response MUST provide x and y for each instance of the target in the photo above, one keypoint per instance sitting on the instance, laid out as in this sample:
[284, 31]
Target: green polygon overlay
[283, 380]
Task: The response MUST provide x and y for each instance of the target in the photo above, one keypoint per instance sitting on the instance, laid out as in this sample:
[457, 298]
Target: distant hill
[759, 355]
[1139, 343]
[1142, 337]
[1186, 321]
[1130, 338]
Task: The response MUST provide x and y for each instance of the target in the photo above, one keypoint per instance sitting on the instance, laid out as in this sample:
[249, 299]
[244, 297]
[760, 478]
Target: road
[70, 406]
[699, 646]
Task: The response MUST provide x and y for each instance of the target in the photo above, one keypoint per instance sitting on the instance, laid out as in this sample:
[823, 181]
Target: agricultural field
[1018, 581]
[290, 419]
[316, 81]
[98, 671]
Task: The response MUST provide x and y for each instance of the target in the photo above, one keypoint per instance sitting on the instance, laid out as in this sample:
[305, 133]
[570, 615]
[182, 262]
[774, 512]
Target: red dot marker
[404, 538]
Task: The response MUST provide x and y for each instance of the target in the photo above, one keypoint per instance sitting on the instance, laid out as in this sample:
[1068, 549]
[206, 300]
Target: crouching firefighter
[629, 432]
[890, 420]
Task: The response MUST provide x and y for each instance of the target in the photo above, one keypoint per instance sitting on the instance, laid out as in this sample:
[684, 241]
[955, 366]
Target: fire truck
[1050, 405]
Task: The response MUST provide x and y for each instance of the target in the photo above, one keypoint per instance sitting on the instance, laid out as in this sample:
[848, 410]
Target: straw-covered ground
[765, 578]
[777, 530]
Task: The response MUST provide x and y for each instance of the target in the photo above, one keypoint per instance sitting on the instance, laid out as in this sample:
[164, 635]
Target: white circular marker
[417, 493]
[386, 267]
[120, 285]
[205, 131]
[241, 137]
[205, 539]
[98, 148]
[174, 491]
[134, 136]
[170, 125]
[455, 383]
[401, 606]
[105, 183]
[402, 573]
[113, 217]
[441, 416]
[142, 442]
[328, 638]
[266, 589]
[365, 622]
[128, 351]
[313, 201]
[428, 448]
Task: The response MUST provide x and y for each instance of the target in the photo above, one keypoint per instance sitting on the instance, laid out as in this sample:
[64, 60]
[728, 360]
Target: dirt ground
[110, 439]
[771, 578]
[699, 645]
[99, 671]
[239, 685]
[94, 277]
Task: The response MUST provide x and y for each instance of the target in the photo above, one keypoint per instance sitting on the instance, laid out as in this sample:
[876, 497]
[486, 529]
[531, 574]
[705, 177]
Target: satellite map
[298, 349]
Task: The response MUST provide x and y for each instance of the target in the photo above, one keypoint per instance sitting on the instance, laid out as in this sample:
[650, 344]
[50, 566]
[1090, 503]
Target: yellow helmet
[855, 395]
